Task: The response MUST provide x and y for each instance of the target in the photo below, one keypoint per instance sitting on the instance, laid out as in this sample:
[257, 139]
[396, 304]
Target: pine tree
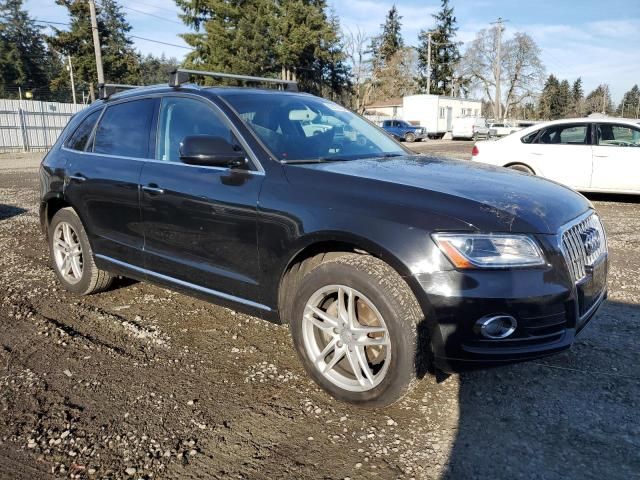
[630, 105]
[549, 105]
[444, 52]
[120, 62]
[290, 38]
[389, 42]
[154, 69]
[577, 98]
[564, 99]
[599, 100]
[23, 57]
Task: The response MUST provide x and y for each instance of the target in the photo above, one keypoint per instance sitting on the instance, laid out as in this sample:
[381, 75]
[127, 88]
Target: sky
[593, 39]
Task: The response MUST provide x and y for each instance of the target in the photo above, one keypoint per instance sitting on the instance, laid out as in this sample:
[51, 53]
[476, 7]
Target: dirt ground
[141, 382]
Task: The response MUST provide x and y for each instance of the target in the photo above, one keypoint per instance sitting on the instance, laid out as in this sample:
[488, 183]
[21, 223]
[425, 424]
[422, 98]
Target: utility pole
[96, 45]
[429, 63]
[498, 66]
[73, 85]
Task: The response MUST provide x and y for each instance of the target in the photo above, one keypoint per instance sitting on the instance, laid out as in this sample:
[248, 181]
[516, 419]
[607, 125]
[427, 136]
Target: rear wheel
[354, 326]
[409, 137]
[521, 168]
[71, 255]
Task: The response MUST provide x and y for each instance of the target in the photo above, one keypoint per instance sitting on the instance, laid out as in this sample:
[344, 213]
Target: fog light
[496, 326]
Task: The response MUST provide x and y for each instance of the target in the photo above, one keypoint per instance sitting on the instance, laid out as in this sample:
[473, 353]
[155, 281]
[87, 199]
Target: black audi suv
[287, 206]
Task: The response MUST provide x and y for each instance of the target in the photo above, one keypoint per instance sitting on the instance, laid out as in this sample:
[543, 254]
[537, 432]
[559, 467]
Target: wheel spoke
[60, 243]
[351, 310]
[361, 356]
[66, 233]
[330, 346]
[326, 321]
[66, 264]
[367, 341]
[338, 355]
[75, 266]
[355, 367]
[342, 309]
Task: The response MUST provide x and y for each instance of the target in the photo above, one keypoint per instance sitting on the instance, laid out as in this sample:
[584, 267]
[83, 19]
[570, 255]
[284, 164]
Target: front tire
[354, 325]
[72, 257]
[409, 137]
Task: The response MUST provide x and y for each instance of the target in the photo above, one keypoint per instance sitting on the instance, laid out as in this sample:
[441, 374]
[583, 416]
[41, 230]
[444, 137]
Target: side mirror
[211, 151]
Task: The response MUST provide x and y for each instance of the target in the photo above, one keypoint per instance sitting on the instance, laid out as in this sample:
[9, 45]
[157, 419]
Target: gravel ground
[141, 382]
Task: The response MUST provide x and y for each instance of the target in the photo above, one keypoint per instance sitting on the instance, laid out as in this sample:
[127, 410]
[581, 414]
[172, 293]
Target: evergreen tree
[577, 98]
[290, 38]
[390, 41]
[630, 105]
[549, 107]
[23, 57]
[120, 62]
[599, 101]
[444, 52]
[564, 99]
[154, 69]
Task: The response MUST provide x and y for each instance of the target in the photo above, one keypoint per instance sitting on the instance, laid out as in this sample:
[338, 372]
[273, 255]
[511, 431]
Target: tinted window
[618, 136]
[565, 135]
[530, 138]
[181, 117]
[125, 128]
[78, 140]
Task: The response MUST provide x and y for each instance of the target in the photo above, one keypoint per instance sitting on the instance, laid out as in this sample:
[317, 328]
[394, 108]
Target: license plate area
[591, 287]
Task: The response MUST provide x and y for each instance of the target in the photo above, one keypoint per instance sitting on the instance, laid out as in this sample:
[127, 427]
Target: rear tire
[521, 168]
[72, 257]
[373, 332]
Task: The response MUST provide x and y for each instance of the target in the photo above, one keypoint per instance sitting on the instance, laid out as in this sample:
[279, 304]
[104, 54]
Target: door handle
[77, 178]
[537, 153]
[153, 189]
[601, 156]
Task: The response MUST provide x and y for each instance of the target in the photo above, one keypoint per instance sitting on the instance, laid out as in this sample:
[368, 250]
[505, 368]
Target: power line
[162, 43]
[152, 15]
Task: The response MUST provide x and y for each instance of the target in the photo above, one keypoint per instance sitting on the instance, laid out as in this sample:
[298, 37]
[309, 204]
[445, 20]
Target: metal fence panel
[32, 125]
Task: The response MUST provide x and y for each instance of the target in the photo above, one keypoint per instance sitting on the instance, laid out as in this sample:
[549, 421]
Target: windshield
[301, 127]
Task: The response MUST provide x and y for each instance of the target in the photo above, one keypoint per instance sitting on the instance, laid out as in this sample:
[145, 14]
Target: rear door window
[618, 135]
[574, 134]
[125, 129]
[78, 139]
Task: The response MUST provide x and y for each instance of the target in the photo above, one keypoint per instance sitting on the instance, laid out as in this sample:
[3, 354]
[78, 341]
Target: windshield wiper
[317, 160]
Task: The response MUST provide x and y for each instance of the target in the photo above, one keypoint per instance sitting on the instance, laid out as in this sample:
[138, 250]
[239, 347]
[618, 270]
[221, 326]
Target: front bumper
[545, 303]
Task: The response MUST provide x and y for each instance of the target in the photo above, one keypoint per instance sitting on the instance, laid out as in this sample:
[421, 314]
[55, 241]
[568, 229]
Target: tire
[384, 302]
[521, 168]
[409, 137]
[80, 274]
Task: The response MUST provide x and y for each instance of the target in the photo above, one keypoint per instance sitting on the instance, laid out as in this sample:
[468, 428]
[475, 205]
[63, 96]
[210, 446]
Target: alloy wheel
[346, 338]
[67, 252]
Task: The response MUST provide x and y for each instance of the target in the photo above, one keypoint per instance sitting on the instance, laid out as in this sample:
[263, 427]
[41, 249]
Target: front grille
[583, 244]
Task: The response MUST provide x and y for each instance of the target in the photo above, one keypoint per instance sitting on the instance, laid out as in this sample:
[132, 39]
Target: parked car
[401, 130]
[590, 155]
[384, 263]
[469, 128]
[502, 129]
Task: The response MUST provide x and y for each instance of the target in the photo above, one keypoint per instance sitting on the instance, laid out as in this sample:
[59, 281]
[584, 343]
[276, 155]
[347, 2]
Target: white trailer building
[437, 112]
[434, 112]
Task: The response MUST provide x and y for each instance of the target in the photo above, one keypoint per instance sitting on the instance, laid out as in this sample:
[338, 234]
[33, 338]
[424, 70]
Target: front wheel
[71, 255]
[354, 326]
[409, 137]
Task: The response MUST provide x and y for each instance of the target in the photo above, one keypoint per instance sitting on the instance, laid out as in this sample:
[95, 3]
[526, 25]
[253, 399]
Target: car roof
[220, 91]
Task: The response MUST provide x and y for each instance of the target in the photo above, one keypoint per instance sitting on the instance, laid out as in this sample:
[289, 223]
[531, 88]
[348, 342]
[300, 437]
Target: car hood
[481, 196]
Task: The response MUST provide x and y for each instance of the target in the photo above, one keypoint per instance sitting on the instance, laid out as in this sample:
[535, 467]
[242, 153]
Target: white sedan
[587, 154]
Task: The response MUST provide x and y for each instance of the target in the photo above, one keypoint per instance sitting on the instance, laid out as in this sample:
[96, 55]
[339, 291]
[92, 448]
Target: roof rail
[181, 76]
[105, 90]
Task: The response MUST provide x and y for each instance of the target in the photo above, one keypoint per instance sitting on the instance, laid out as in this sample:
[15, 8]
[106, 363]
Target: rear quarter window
[78, 139]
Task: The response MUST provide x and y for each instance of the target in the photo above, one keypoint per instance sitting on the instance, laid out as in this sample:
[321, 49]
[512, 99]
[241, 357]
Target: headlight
[475, 250]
